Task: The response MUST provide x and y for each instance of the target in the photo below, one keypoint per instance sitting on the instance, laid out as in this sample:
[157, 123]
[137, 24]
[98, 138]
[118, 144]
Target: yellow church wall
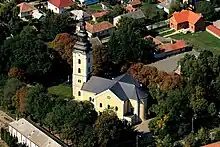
[109, 98]
[87, 94]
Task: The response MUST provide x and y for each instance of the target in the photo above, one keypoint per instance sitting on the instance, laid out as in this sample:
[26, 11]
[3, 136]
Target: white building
[30, 135]
[58, 6]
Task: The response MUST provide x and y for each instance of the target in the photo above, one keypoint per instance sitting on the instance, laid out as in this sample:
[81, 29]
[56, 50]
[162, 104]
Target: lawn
[201, 41]
[61, 90]
[95, 8]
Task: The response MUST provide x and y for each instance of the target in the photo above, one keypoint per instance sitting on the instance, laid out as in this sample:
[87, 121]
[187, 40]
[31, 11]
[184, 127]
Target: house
[37, 14]
[165, 49]
[217, 24]
[213, 30]
[187, 19]
[216, 144]
[98, 15]
[169, 49]
[78, 14]
[135, 15]
[59, 6]
[170, 64]
[165, 5]
[122, 94]
[32, 136]
[132, 6]
[25, 9]
[101, 29]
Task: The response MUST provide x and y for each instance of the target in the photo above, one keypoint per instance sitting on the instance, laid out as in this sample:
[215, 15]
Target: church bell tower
[82, 61]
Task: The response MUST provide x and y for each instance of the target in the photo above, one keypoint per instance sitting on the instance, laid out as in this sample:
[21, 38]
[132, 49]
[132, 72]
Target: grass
[61, 90]
[201, 41]
[95, 7]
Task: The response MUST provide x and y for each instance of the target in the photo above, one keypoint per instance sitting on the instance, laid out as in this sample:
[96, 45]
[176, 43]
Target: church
[123, 94]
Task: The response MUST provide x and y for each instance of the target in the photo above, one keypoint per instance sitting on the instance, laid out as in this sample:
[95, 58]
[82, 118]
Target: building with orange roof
[187, 19]
[216, 144]
[97, 15]
[25, 9]
[58, 6]
[213, 30]
[99, 29]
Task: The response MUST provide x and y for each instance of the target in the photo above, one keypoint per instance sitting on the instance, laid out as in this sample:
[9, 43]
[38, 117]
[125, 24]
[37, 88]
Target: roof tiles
[61, 3]
[94, 28]
[25, 7]
[186, 16]
[214, 29]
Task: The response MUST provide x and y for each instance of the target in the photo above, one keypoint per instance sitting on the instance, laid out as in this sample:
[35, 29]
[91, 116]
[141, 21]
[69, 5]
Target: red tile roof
[185, 16]
[135, 2]
[25, 7]
[100, 14]
[216, 144]
[61, 3]
[94, 28]
[214, 29]
[179, 44]
[130, 8]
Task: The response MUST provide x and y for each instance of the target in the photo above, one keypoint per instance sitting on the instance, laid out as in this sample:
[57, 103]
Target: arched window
[90, 99]
[79, 70]
[79, 93]
[116, 108]
[108, 106]
[79, 61]
[100, 105]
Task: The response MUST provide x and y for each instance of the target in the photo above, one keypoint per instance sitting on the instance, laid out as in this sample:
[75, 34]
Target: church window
[79, 81]
[88, 69]
[79, 70]
[108, 106]
[79, 61]
[108, 97]
[116, 108]
[88, 60]
[100, 105]
[79, 93]
[90, 99]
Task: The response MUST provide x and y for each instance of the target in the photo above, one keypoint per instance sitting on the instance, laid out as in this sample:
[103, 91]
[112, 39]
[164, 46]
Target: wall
[109, 98]
[54, 8]
[85, 67]
[200, 25]
[116, 20]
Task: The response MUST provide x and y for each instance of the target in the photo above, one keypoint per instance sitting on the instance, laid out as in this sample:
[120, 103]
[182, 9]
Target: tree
[29, 53]
[15, 72]
[126, 43]
[111, 131]
[21, 100]
[101, 63]
[73, 121]
[39, 103]
[54, 24]
[10, 88]
[207, 9]
[64, 45]
[174, 7]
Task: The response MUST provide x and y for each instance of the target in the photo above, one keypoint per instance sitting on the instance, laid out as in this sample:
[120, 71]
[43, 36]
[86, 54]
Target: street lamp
[193, 118]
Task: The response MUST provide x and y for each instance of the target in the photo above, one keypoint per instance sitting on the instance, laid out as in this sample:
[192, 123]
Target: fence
[158, 25]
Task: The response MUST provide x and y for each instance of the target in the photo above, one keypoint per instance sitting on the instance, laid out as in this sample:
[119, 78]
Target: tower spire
[82, 43]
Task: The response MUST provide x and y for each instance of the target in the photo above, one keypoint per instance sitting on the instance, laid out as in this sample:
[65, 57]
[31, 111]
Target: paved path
[166, 31]
[174, 33]
[143, 127]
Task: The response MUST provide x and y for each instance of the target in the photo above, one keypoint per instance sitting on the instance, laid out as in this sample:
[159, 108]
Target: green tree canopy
[126, 43]
[207, 9]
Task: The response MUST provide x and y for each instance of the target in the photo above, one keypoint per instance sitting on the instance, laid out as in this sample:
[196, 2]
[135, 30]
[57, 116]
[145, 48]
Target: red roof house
[216, 144]
[99, 29]
[187, 19]
[99, 15]
[58, 6]
[132, 6]
[213, 30]
[25, 9]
